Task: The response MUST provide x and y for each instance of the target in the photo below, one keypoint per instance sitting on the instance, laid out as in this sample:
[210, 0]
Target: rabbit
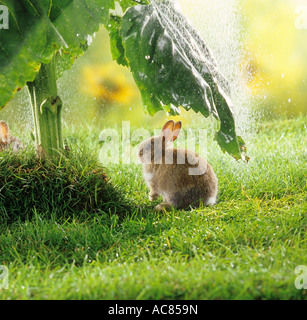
[181, 176]
[6, 140]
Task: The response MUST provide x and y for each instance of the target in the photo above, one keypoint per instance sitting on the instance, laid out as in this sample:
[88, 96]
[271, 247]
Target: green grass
[245, 247]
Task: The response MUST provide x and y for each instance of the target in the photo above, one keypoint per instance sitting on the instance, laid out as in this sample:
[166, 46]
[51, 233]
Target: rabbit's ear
[177, 128]
[167, 130]
[4, 131]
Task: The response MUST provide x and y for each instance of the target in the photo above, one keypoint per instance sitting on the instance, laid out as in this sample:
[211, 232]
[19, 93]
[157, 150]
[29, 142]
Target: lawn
[65, 245]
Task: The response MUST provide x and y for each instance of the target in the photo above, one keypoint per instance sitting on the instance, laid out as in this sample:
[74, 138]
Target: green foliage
[125, 4]
[38, 28]
[117, 48]
[173, 67]
[170, 62]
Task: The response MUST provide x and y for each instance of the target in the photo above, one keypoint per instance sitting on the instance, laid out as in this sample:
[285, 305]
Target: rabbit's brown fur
[6, 140]
[181, 176]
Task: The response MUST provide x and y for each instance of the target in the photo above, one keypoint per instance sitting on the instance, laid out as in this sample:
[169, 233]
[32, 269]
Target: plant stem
[46, 110]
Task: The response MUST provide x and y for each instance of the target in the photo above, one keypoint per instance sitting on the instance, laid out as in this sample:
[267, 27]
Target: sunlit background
[260, 45]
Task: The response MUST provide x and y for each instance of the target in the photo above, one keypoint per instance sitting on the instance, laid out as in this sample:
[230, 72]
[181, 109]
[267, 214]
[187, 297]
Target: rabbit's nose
[141, 153]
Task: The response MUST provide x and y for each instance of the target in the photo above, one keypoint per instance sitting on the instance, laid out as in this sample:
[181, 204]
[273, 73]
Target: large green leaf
[125, 4]
[117, 49]
[39, 28]
[173, 67]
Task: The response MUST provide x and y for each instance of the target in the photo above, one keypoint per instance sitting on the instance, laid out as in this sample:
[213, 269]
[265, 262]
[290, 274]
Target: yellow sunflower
[109, 83]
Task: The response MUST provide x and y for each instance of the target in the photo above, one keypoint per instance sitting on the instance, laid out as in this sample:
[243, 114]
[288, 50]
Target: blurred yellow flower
[109, 83]
[275, 64]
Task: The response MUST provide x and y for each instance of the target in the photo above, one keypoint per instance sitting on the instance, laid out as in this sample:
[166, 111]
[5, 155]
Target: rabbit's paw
[153, 196]
[163, 207]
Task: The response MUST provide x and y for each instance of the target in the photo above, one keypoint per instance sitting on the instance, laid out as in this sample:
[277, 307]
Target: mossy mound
[70, 185]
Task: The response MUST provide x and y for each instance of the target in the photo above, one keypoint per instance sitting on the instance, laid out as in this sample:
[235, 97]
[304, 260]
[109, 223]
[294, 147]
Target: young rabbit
[6, 140]
[181, 176]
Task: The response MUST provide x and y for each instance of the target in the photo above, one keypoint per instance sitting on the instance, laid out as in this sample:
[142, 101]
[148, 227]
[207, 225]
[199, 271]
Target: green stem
[46, 110]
